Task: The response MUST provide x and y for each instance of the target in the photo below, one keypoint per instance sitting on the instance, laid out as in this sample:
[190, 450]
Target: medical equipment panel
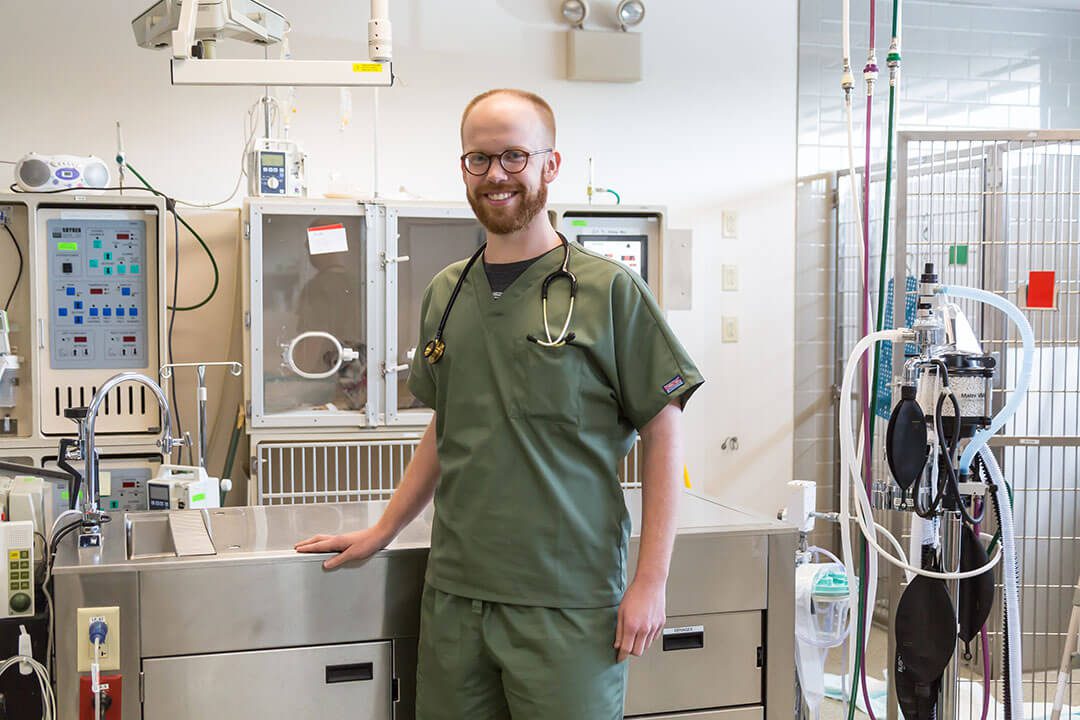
[123, 484]
[421, 241]
[97, 270]
[17, 556]
[638, 237]
[311, 277]
[97, 293]
[276, 168]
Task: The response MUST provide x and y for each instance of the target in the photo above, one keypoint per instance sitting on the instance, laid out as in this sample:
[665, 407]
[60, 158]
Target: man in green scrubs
[526, 613]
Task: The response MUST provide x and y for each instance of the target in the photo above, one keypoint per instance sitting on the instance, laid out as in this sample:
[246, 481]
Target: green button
[14, 586]
[134, 269]
[97, 244]
[108, 256]
[24, 554]
[24, 586]
[122, 269]
[24, 576]
[93, 263]
[114, 504]
[108, 270]
[24, 564]
[20, 602]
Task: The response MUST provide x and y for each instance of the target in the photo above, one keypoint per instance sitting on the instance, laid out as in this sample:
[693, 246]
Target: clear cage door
[431, 243]
[315, 290]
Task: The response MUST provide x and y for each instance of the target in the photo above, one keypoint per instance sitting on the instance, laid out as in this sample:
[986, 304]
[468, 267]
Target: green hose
[213, 261]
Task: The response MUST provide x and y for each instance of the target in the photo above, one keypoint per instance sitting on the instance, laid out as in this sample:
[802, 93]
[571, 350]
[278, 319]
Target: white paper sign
[327, 239]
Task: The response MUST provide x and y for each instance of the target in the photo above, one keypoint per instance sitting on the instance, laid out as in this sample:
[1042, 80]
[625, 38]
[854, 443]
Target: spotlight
[629, 13]
[575, 12]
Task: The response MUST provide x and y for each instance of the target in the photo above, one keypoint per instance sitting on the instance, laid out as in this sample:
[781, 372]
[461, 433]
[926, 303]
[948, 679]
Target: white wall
[712, 126]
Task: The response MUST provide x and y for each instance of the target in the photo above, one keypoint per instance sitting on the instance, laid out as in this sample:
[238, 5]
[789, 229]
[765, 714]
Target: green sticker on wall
[958, 255]
[579, 223]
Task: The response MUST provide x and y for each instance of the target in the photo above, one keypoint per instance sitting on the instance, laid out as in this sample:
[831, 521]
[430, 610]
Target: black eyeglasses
[512, 161]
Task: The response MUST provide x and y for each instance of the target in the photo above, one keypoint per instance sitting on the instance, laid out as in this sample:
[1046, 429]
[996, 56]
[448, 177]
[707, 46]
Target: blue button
[78, 304]
[107, 312]
[78, 319]
[125, 291]
[93, 312]
[134, 312]
[63, 312]
[70, 291]
[119, 312]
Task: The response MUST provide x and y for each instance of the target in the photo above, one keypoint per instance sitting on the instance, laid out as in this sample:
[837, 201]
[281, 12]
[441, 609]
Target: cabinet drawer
[700, 662]
[333, 682]
[750, 713]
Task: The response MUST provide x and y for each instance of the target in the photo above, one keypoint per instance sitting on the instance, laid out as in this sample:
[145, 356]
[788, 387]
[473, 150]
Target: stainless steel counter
[257, 598]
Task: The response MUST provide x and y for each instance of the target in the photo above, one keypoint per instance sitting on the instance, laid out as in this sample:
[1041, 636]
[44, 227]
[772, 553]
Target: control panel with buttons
[17, 546]
[97, 292]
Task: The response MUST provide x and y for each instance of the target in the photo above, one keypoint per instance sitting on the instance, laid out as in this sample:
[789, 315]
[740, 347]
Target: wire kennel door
[988, 208]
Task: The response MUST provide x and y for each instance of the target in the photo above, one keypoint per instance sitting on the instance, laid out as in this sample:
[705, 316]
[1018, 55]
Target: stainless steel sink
[148, 536]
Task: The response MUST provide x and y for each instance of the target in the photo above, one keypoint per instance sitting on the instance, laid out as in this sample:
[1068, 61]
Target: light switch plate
[729, 332]
[729, 278]
[730, 223]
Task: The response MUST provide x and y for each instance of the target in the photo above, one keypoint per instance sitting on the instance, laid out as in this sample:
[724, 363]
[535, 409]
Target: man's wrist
[650, 578]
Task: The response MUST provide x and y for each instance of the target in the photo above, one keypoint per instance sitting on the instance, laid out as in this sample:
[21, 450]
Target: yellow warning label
[367, 67]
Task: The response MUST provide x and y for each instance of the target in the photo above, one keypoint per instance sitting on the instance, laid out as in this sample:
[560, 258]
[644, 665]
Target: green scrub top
[528, 508]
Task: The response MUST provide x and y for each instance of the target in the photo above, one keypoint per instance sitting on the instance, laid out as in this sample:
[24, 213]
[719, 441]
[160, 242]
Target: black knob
[76, 413]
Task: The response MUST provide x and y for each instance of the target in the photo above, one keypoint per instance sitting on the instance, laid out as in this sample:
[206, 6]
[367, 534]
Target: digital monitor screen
[273, 159]
[630, 250]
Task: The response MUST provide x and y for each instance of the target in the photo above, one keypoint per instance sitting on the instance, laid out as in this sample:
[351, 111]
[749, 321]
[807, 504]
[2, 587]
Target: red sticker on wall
[1040, 289]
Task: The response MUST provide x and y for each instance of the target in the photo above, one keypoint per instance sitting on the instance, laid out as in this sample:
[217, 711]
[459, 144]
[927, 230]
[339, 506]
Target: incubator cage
[987, 208]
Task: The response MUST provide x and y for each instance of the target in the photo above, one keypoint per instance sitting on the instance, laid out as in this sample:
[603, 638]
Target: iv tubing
[1022, 384]
[1011, 580]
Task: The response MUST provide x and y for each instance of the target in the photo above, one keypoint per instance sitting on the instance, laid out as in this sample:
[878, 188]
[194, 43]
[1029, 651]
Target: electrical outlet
[729, 278]
[729, 332]
[110, 651]
[730, 221]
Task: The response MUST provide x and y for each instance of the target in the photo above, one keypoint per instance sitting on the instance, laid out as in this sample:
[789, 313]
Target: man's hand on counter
[350, 546]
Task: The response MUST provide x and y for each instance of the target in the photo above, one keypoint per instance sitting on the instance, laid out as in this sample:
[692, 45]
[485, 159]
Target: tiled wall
[964, 66]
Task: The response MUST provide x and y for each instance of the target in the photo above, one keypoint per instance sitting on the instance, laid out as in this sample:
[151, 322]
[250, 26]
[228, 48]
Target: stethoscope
[436, 347]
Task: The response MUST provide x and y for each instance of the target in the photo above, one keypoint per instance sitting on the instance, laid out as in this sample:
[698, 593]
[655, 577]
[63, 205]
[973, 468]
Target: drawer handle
[684, 641]
[354, 672]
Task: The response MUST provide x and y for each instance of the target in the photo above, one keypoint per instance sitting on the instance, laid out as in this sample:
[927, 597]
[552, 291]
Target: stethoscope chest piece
[434, 350]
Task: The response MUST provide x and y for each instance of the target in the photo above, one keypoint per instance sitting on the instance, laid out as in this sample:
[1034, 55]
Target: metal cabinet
[335, 682]
[700, 661]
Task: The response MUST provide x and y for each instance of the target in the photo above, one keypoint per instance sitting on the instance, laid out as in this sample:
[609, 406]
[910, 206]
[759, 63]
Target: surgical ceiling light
[629, 13]
[575, 12]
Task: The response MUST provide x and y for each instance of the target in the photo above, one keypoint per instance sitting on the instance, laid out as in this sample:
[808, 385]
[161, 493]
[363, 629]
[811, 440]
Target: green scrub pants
[490, 661]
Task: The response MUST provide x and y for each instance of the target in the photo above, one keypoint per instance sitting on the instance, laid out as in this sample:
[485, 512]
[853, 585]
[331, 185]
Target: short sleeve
[653, 367]
[421, 375]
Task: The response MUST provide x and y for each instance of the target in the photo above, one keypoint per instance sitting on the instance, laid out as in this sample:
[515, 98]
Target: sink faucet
[90, 534]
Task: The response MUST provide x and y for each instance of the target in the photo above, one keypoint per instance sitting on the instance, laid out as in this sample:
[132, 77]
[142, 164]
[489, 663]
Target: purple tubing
[986, 670]
[867, 456]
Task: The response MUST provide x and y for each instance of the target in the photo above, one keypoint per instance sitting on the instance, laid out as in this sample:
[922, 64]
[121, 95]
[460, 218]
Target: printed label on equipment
[684, 630]
[327, 239]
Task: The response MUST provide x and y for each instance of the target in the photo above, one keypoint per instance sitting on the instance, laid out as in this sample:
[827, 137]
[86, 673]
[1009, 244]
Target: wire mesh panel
[992, 210]
[293, 473]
